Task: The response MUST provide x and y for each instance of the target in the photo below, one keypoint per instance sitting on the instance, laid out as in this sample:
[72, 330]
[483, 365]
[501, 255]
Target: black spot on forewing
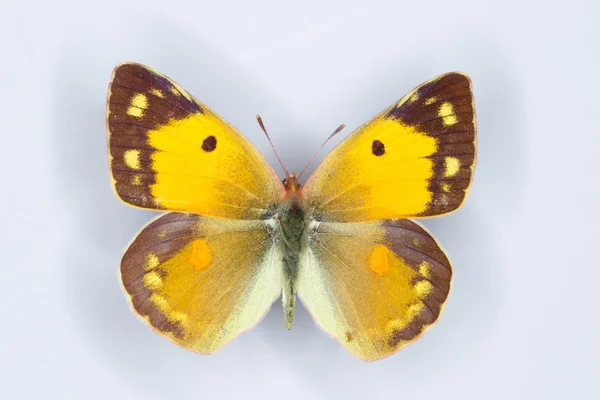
[378, 148]
[209, 144]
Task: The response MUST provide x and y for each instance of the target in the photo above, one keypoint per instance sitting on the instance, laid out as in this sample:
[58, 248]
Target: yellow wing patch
[424, 270]
[131, 158]
[139, 103]
[157, 93]
[423, 289]
[447, 115]
[414, 159]
[430, 101]
[170, 152]
[152, 280]
[151, 261]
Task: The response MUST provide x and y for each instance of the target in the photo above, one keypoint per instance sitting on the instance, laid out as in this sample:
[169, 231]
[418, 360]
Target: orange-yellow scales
[372, 185]
[379, 260]
[200, 257]
[237, 238]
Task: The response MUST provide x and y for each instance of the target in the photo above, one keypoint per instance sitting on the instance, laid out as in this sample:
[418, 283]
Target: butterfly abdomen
[292, 238]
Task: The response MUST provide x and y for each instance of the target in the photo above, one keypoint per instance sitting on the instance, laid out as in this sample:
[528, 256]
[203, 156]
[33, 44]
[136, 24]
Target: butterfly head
[291, 183]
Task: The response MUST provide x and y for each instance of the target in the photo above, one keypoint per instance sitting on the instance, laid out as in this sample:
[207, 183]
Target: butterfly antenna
[339, 128]
[262, 126]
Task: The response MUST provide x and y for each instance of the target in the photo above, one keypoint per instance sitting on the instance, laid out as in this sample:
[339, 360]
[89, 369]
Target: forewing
[170, 152]
[201, 281]
[415, 159]
[375, 287]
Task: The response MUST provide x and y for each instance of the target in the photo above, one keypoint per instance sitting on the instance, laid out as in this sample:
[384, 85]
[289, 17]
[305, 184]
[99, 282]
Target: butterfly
[235, 237]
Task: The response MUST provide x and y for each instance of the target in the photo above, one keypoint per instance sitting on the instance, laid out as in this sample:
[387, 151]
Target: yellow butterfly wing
[200, 281]
[372, 280]
[374, 286]
[415, 159]
[170, 152]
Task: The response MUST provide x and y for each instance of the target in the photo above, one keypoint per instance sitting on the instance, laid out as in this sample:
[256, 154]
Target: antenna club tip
[262, 126]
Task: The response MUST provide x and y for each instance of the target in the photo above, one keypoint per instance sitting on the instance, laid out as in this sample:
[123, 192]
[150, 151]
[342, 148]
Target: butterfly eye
[378, 148]
[209, 144]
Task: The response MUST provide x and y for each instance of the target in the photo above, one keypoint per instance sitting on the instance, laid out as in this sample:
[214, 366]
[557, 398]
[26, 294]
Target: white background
[522, 319]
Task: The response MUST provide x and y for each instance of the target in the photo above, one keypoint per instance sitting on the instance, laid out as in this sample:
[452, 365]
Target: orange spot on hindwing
[379, 260]
[201, 254]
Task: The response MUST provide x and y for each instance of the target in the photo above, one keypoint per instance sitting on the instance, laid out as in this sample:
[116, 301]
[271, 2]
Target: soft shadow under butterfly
[238, 237]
